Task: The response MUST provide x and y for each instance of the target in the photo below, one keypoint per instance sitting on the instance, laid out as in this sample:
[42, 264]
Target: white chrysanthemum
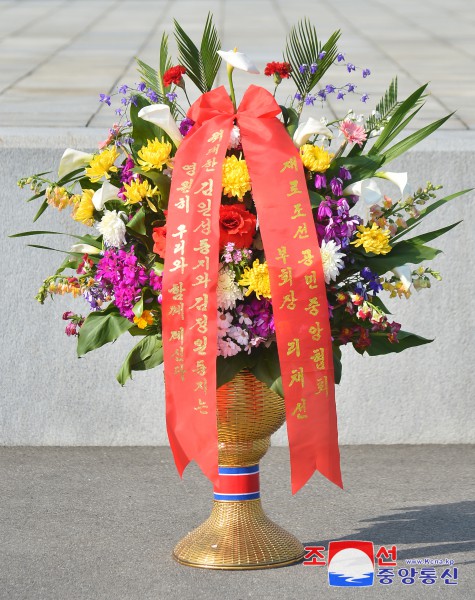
[332, 260]
[235, 137]
[228, 291]
[112, 228]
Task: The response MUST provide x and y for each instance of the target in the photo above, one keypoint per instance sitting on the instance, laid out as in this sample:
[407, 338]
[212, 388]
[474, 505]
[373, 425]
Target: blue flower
[351, 87]
[123, 89]
[313, 68]
[152, 96]
[303, 68]
[105, 99]
[364, 97]
[340, 95]
[329, 89]
[298, 96]
[340, 57]
[350, 67]
[141, 87]
[322, 94]
[366, 72]
[322, 55]
[171, 96]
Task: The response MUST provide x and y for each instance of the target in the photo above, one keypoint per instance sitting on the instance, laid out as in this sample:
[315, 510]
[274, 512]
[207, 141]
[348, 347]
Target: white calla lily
[311, 127]
[238, 60]
[85, 249]
[399, 179]
[404, 273]
[369, 195]
[103, 194]
[160, 115]
[73, 160]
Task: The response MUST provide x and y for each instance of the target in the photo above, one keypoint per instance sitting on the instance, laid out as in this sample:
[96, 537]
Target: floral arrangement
[120, 196]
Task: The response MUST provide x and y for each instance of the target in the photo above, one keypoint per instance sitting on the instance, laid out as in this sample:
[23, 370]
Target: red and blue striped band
[237, 483]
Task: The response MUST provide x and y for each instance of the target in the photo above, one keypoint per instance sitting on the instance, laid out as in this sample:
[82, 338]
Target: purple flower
[302, 68]
[322, 55]
[340, 57]
[313, 68]
[351, 87]
[133, 99]
[171, 96]
[152, 96]
[329, 89]
[123, 89]
[118, 111]
[155, 281]
[366, 72]
[309, 99]
[350, 67]
[124, 101]
[340, 95]
[344, 174]
[105, 99]
[141, 86]
[186, 125]
[336, 185]
[322, 94]
[324, 210]
[364, 97]
[320, 181]
[298, 96]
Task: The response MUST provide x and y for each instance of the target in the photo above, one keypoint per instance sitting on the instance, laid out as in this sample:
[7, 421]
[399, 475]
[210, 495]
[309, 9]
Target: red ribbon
[296, 276]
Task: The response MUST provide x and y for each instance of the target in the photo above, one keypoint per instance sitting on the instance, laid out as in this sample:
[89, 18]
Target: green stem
[231, 85]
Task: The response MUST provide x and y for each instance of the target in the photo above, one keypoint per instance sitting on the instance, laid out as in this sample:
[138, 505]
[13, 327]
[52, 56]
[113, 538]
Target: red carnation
[173, 75]
[159, 236]
[237, 225]
[279, 70]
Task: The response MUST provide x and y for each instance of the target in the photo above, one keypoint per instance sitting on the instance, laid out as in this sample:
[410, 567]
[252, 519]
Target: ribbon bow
[296, 277]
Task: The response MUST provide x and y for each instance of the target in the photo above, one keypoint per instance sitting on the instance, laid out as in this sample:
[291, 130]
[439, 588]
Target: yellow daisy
[137, 191]
[236, 180]
[316, 159]
[257, 279]
[154, 155]
[101, 164]
[84, 209]
[373, 239]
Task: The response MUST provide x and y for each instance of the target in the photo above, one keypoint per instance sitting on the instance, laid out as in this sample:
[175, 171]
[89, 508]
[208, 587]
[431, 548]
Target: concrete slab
[83, 523]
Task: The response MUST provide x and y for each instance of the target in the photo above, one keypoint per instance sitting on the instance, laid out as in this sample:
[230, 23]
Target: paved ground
[57, 55]
[100, 523]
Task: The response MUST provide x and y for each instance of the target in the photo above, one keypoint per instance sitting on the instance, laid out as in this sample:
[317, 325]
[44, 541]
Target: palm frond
[149, 76]
[385, 107]
[201, 64]
[303, 48]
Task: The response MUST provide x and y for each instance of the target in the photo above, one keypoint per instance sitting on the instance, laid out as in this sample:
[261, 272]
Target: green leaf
[291, 119]
[227, 368]
[397, 118]
[402, 253]
[142, 130]
[41, 210]
[337, 365]
[315, 198]
[413, 139]
[385, 107]
[432, 235]
[381, 345]
[267, 369]
[100, 328]
[361, 167]
[137, 223]
[201, 64]
[436, 205]
[147, 354]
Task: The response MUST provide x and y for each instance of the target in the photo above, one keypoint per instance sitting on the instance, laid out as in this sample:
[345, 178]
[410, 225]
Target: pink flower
[355, 134]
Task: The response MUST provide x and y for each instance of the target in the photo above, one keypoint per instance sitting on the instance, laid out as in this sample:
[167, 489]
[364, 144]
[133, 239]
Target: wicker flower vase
[238, 535]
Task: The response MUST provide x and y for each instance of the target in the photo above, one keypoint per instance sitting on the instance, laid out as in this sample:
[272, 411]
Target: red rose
[282, 69]
[173, 75]
[159, 236]
[237, 225]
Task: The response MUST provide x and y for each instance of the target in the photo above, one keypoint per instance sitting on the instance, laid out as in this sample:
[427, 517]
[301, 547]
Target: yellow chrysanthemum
[373, 239]
[138, 190]
[257, 279]
[102, 163]
[236, 180]
[154, 155]
[316, 159]
[144, 320]
[83, 211]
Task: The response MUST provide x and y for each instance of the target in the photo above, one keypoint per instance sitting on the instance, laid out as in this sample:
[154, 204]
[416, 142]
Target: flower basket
[243, 244]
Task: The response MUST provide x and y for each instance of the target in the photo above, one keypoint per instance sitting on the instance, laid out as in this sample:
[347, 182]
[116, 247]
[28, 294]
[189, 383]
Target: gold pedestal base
[238, 535]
